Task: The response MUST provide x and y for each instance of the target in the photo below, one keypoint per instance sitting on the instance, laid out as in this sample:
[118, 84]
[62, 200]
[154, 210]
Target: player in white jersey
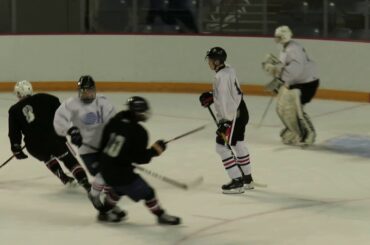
[298, 73]
[232, 117]
[83, 118]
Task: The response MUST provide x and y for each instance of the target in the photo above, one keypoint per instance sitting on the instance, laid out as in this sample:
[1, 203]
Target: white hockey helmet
[23, 89]
[283, 34]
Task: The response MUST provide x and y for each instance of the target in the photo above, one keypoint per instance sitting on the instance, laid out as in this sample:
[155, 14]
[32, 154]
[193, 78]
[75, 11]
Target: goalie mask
[23, 89]
[139, 107]
[283, 35]
[86, 89]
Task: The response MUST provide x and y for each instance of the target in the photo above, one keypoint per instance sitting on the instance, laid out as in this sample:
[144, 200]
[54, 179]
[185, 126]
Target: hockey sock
[244, 164]
[79, 173]
[228, 161]
[97, 185]
[110, 201]
[154, 207]
[243, 160]
[232, 168]
[55, 168]
[72, 165]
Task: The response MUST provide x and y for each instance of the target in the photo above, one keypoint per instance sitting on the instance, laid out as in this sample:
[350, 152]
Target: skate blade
[234, 191]
[194, 183]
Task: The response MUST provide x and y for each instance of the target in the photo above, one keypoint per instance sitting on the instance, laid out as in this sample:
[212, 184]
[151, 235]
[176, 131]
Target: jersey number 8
[28, 113]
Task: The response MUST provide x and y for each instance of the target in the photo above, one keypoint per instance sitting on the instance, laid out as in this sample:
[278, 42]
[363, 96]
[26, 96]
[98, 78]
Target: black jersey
[33, 117]
[124, 142]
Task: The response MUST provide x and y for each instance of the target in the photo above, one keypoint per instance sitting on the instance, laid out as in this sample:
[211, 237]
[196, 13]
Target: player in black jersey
[33, 117]
[125, 141]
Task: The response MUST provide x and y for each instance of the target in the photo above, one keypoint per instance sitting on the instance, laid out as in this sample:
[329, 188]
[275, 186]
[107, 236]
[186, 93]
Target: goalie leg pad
[288, 113]
[288, 137]
[310, 133]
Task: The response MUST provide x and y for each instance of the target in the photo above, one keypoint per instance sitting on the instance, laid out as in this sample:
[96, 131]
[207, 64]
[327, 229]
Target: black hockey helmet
[140, 107]
[86, 89]
[217, 53]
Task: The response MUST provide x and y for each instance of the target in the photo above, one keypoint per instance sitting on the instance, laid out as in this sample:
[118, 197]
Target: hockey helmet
[86, 89]
[217, 53]
[23, 89]
[283, 34]
[140, 107]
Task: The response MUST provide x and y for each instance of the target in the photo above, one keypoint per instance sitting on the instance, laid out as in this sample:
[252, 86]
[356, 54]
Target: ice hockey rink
[318, 195]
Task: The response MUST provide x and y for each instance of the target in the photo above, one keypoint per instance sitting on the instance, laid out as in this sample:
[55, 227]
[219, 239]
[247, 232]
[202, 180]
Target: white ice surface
[314, 195]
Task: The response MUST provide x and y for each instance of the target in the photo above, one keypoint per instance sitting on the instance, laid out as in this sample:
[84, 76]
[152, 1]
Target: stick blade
[261, 185]
[196, 182]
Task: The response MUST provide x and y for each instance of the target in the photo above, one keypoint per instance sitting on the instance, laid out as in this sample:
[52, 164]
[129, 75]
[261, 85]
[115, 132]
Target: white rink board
[342, 65]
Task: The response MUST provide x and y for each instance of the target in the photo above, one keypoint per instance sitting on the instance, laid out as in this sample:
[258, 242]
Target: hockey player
[83, 119]
[232, 116]
[298, 73]
[125, 141]
[33, 116]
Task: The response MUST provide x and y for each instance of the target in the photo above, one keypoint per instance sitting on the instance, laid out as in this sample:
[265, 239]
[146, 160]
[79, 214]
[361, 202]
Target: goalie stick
[176, 183]
[10, 158]
[229, 146]
[265, 112]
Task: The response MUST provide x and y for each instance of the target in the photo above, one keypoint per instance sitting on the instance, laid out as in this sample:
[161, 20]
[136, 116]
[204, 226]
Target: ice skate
[248, 182]
[166, 219]
[234, 187]
[119, 212]
[111, 216]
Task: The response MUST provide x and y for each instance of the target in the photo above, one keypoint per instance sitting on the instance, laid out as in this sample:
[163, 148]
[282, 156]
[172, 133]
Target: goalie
[296, 82]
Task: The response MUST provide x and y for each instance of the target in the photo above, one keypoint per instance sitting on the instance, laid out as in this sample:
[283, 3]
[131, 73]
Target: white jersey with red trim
[298, 67]
[90, 119]
[226, 93]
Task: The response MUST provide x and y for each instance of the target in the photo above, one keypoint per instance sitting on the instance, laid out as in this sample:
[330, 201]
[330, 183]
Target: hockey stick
[229, 146]
[265, 112]
[10, 158]
[215, 120]
[181, 185]
[185, 134]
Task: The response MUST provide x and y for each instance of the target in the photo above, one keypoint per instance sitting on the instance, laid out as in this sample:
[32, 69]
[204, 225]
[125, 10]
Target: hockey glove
[18, 153]
[224, 128]
[159, 146]
[274, 85]
[76, 137]
[206, 99]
